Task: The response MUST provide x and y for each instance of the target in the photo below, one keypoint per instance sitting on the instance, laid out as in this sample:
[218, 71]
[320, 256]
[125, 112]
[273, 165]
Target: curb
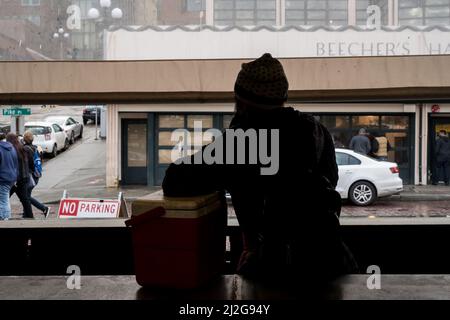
[419, 197]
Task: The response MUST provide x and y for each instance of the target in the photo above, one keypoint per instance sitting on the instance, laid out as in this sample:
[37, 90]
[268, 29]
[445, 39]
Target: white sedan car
[49, 136]
[362, 179]
[71, 127]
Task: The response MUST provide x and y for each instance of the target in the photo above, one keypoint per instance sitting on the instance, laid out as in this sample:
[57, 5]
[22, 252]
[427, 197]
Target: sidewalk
[423, 193]
[410, 193]
[129, 193]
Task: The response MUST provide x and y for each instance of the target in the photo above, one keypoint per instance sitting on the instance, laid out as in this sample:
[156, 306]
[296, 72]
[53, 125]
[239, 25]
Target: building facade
[292, 29]
[30, 24]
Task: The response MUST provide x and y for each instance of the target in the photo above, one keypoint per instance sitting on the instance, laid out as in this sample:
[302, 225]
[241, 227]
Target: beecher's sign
[90, 208]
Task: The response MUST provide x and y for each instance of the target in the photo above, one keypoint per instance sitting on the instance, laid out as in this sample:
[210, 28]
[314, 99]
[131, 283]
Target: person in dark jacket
[443, 158]
[374, 145]
[289, 219]
[30, 150]
[361, 143]
[23, 179]
[8, 175]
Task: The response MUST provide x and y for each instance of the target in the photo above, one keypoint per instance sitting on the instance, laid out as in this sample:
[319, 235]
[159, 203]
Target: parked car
[363, 179]
[49, 136]
[72, 128]
[89, 114]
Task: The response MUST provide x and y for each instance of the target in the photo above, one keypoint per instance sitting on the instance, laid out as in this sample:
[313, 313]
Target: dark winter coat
[443, 149]
[24, 171]
[361, 144]
[29, 151]
[297, 205]
[8, 163]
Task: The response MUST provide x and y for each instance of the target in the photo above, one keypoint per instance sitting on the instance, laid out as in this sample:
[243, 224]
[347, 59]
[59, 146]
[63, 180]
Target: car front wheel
[362, 193]
[72, 138]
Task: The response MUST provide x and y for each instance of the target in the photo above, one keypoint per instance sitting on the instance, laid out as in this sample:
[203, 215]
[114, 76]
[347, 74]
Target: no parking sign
[78, 208]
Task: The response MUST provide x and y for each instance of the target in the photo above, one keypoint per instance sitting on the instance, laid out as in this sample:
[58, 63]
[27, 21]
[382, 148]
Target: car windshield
[58, 121]
[38, 130]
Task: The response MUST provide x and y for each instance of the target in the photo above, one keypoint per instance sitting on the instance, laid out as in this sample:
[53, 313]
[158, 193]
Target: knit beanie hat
[262, 81]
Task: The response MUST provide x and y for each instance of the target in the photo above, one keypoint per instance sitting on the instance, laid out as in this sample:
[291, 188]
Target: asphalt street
[81, 166]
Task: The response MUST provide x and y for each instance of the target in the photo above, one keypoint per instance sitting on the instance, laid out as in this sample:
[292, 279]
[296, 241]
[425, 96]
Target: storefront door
[134, 151]
[437, 122]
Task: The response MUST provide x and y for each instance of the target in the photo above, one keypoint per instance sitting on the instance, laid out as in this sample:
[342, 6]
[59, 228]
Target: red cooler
[178, 242]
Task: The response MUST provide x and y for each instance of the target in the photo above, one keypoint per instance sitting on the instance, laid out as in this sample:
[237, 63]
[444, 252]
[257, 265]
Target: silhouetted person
[289, 219]
[442, 158]
[361, 143]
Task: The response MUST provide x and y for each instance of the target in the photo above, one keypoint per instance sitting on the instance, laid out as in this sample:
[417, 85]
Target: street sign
[89, 208]
[76, 208]
[17, 112]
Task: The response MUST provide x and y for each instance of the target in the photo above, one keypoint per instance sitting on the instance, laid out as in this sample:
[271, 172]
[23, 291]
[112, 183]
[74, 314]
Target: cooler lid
[173, 204]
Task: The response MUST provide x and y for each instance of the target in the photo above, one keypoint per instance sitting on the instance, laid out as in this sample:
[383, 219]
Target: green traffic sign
[17, 112]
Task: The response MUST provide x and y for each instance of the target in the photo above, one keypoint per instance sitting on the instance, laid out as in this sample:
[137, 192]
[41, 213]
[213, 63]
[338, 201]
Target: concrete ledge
[232, 222]
[229, 287]
[62, 223]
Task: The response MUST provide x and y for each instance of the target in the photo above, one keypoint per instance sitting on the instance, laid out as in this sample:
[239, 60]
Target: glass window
[205, 120]
[339, 122]
[227, 120]
[31, 2]
[343, 159]
[171, 121]
[395, 122]
[137, 145]
[424, 12]
[399, 143]
[164, 156]
[195, 5]
[341, 138]
[366, 121]
[164, 138]
[245, 12]
[316, 12]
[37, 130]
[198, 139]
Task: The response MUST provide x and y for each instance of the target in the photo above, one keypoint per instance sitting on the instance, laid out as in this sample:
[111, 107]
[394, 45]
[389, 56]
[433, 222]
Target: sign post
[17, 114]
[79, 208]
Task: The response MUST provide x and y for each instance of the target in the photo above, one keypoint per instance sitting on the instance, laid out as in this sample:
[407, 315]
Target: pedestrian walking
[442, 157]
[361, 143]
[23, 179]
[35, 167]
[8, 175]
